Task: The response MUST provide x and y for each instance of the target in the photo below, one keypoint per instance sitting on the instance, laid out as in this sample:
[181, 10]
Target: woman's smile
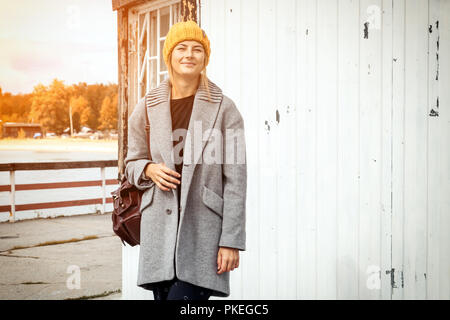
[188, 58]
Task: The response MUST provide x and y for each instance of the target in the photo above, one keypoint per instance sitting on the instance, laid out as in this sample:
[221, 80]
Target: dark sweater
[180, 110]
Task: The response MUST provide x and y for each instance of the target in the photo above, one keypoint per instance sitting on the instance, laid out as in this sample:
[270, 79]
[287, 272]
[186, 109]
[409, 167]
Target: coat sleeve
[235, 181]
[137, 155]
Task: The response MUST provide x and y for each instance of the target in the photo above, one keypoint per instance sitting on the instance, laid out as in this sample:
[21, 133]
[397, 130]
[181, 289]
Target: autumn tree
[108, 113]
[81, 112]
[14, 108]
[50, 106]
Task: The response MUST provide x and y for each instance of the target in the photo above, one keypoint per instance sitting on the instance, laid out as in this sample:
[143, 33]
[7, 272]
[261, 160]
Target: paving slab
[34, 268]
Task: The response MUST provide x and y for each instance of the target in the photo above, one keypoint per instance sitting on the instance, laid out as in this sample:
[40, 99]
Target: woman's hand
[227, 259]
[162, 176]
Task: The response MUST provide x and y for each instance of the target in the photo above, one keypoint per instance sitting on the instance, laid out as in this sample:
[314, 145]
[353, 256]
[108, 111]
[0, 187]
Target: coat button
[168, 211]
[179, 209]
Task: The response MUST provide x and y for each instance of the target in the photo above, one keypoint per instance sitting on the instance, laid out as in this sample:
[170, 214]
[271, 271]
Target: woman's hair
[203, 76]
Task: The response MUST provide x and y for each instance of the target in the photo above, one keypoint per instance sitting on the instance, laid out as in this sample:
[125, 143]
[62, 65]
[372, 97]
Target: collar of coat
[204, 114]
[162, 93]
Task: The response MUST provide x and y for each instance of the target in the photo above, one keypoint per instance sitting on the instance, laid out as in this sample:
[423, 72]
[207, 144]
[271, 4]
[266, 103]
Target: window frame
[144, 72]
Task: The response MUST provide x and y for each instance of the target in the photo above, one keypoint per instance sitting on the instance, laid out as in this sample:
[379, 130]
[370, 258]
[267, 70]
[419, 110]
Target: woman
[193, 207]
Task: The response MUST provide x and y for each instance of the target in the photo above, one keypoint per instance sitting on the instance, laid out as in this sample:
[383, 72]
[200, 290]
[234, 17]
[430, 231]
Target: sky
[71, 40]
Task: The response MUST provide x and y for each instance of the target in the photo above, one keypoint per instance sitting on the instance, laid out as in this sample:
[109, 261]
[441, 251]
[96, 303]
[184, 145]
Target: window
[153, 25]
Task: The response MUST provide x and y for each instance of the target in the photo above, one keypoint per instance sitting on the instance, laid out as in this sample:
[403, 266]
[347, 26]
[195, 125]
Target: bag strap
[147, 129]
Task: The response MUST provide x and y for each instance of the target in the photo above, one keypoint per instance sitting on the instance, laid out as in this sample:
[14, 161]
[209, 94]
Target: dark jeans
[176, 289]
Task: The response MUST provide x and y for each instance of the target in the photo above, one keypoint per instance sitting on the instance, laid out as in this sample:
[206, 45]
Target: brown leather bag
[126, 216]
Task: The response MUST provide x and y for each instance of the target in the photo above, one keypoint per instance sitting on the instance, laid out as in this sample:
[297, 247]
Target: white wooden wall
[349, 174]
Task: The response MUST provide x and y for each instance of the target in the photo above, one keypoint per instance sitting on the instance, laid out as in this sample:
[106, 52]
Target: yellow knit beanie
[185, 30]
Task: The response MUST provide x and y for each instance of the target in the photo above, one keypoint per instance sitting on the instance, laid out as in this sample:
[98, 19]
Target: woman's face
[188, 58]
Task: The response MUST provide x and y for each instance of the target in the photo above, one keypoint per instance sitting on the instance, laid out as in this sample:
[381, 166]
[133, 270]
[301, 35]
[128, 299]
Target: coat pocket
[147, 198]
[213, 201]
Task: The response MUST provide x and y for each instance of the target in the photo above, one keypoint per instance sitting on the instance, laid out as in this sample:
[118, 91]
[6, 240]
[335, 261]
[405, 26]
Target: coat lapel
[158, 108]
[204, 114]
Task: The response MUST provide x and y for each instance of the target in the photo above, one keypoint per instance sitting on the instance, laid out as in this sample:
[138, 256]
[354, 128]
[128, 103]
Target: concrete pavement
[60, 258]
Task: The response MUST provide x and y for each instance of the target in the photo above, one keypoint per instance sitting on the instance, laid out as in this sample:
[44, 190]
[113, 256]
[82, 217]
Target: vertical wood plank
[130, 291]
[398, 152]
[416, 114]
[326, 173]
[444, 189]
[122, 30]
[370, 150]
[189, 10]
[348, 144]
[232, 49]
[387, 124]
[216, 35]
[269, 253]
[102, 173]
[285, 109]
[12, 196]
[133, 65]
[439, 157]
[434, 136]
[444, 155]
[250, 109]
[307, 150]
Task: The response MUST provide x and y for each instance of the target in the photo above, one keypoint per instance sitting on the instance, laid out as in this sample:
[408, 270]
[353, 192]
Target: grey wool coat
[184, 241]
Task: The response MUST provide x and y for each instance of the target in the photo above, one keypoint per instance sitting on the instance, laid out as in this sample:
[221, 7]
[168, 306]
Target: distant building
[12, 129]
